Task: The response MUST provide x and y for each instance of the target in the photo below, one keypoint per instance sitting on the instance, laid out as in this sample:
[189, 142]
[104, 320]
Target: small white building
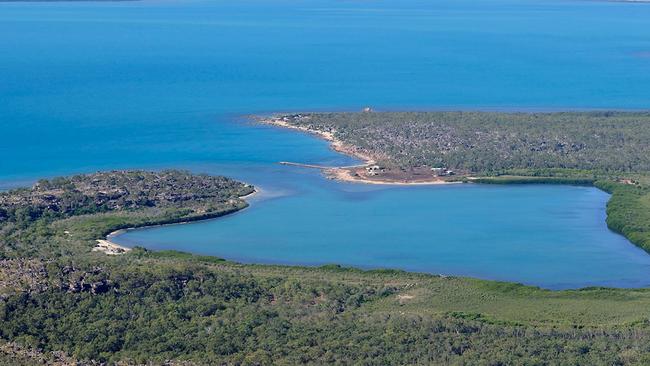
[374, 169]
[438, 171]
[442, 172]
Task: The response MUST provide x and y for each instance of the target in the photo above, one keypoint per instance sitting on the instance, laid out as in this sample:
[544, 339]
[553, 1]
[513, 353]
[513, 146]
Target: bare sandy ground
[353, 174]
[110, 248]
[349, 175]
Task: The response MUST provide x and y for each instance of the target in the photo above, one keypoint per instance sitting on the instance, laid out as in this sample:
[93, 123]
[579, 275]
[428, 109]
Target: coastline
[107, 246]
[336, 144]
[110, 248]
[255, 192]
[350, 174]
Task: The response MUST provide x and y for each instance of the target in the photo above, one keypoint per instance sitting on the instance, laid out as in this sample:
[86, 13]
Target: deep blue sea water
[86, 86]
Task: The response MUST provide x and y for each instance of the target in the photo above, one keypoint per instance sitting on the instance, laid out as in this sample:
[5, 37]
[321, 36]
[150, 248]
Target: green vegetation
[628, 211]
[107, 202]
[158, 309]
[61, 302]
[488, 143]
[605, 149]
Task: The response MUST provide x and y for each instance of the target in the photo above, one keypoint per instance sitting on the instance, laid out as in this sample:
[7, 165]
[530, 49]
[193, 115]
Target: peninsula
[411, 147]
[607, 149]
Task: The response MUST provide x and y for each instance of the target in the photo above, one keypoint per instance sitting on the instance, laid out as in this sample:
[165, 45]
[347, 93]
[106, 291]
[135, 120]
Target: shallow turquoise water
[154, 84]
[546, 235]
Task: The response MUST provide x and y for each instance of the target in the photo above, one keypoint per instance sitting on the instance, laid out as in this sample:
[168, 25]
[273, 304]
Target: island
[63, 302]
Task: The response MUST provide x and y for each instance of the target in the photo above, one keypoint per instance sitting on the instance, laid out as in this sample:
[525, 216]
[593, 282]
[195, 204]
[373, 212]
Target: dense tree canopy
[491, 142]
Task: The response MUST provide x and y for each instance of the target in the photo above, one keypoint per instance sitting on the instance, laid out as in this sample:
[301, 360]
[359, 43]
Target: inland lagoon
[546, 235]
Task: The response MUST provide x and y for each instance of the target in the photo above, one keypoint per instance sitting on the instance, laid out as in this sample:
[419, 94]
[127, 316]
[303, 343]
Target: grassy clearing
[492, 301]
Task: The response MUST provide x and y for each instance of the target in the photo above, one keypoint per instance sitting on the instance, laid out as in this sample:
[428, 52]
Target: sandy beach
[255, 192]
[357, 173]
[349, 175]
[108, 247]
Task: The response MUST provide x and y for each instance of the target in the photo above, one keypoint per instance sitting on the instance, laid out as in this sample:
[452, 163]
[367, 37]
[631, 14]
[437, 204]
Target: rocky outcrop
[22, 275]
[107, 191]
